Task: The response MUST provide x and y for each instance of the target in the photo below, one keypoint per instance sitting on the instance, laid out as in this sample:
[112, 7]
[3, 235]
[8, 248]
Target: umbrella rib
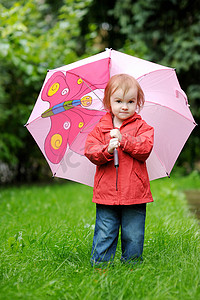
[162, 164]
[163, 69]
[87, 84]
[28, 123]
[59, 165]
[92, 90]
[173, 111]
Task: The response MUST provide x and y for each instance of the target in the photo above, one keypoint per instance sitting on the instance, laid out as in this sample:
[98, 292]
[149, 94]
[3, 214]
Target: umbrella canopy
[70, 104]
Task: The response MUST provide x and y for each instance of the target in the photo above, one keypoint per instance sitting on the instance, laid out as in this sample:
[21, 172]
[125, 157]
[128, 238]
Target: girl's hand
[114, 143]
[115, 133]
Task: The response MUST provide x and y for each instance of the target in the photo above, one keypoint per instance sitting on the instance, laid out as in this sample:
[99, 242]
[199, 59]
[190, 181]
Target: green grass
[45, 242]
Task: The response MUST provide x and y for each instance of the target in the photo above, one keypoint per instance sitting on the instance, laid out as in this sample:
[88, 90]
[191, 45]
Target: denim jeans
[109, 219]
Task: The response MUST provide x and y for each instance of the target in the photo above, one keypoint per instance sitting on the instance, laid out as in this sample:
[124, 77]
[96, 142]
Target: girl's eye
[132, 101]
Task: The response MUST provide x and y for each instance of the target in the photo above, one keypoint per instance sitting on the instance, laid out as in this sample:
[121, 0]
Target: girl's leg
[105, 234]
[132, 231]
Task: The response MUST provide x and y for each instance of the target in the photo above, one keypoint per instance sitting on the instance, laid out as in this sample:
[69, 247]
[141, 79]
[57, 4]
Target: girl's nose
[124, 106]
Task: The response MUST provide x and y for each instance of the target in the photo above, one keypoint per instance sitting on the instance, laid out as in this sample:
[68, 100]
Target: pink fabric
[69, 128]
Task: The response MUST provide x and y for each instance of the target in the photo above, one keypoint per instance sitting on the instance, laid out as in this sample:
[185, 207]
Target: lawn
[46, 234]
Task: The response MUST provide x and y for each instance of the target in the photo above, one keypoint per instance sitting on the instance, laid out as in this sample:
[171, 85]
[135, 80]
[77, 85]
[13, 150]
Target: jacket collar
[106, 121]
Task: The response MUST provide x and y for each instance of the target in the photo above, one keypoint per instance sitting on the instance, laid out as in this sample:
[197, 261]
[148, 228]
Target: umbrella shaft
[116, 158]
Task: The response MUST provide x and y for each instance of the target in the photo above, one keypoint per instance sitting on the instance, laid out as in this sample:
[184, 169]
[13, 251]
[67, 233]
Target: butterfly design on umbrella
[75, 108]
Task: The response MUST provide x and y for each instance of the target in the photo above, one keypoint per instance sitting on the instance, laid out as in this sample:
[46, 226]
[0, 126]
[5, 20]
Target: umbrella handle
[116, 163]
[116, 158]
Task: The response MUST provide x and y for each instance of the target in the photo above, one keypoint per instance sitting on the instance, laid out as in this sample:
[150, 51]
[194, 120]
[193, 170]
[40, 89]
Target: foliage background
[37, 35]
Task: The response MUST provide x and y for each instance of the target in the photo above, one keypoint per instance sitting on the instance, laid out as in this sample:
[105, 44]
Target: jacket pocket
[99, 174]
[139, 184]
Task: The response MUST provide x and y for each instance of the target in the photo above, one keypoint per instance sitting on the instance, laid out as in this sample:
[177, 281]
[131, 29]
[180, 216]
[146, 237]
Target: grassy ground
[45, 242]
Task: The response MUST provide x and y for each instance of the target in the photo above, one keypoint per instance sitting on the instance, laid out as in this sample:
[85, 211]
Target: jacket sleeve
[95, 150]
[139, 146]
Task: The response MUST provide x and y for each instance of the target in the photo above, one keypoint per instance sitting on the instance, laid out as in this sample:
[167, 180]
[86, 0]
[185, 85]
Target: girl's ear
[138, 109]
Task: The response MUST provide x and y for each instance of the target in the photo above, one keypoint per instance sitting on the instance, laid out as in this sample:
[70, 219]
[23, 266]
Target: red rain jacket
[135, 147]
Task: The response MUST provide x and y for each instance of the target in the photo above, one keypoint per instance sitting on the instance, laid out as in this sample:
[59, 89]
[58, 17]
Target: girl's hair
[124, 82]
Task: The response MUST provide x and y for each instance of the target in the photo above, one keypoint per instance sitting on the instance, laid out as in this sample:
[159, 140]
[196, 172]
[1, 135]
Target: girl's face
[123, 106]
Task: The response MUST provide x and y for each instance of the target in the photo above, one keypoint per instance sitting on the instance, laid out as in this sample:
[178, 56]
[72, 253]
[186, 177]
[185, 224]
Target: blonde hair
[124, 82]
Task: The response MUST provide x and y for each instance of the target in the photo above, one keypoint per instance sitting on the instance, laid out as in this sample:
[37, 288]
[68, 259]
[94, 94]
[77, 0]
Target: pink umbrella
[70, 104]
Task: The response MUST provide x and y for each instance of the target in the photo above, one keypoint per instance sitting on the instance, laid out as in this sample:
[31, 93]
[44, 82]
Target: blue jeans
[109, 218]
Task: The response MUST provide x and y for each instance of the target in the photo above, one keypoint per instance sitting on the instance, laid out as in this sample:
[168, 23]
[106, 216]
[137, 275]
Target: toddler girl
[123, 205]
